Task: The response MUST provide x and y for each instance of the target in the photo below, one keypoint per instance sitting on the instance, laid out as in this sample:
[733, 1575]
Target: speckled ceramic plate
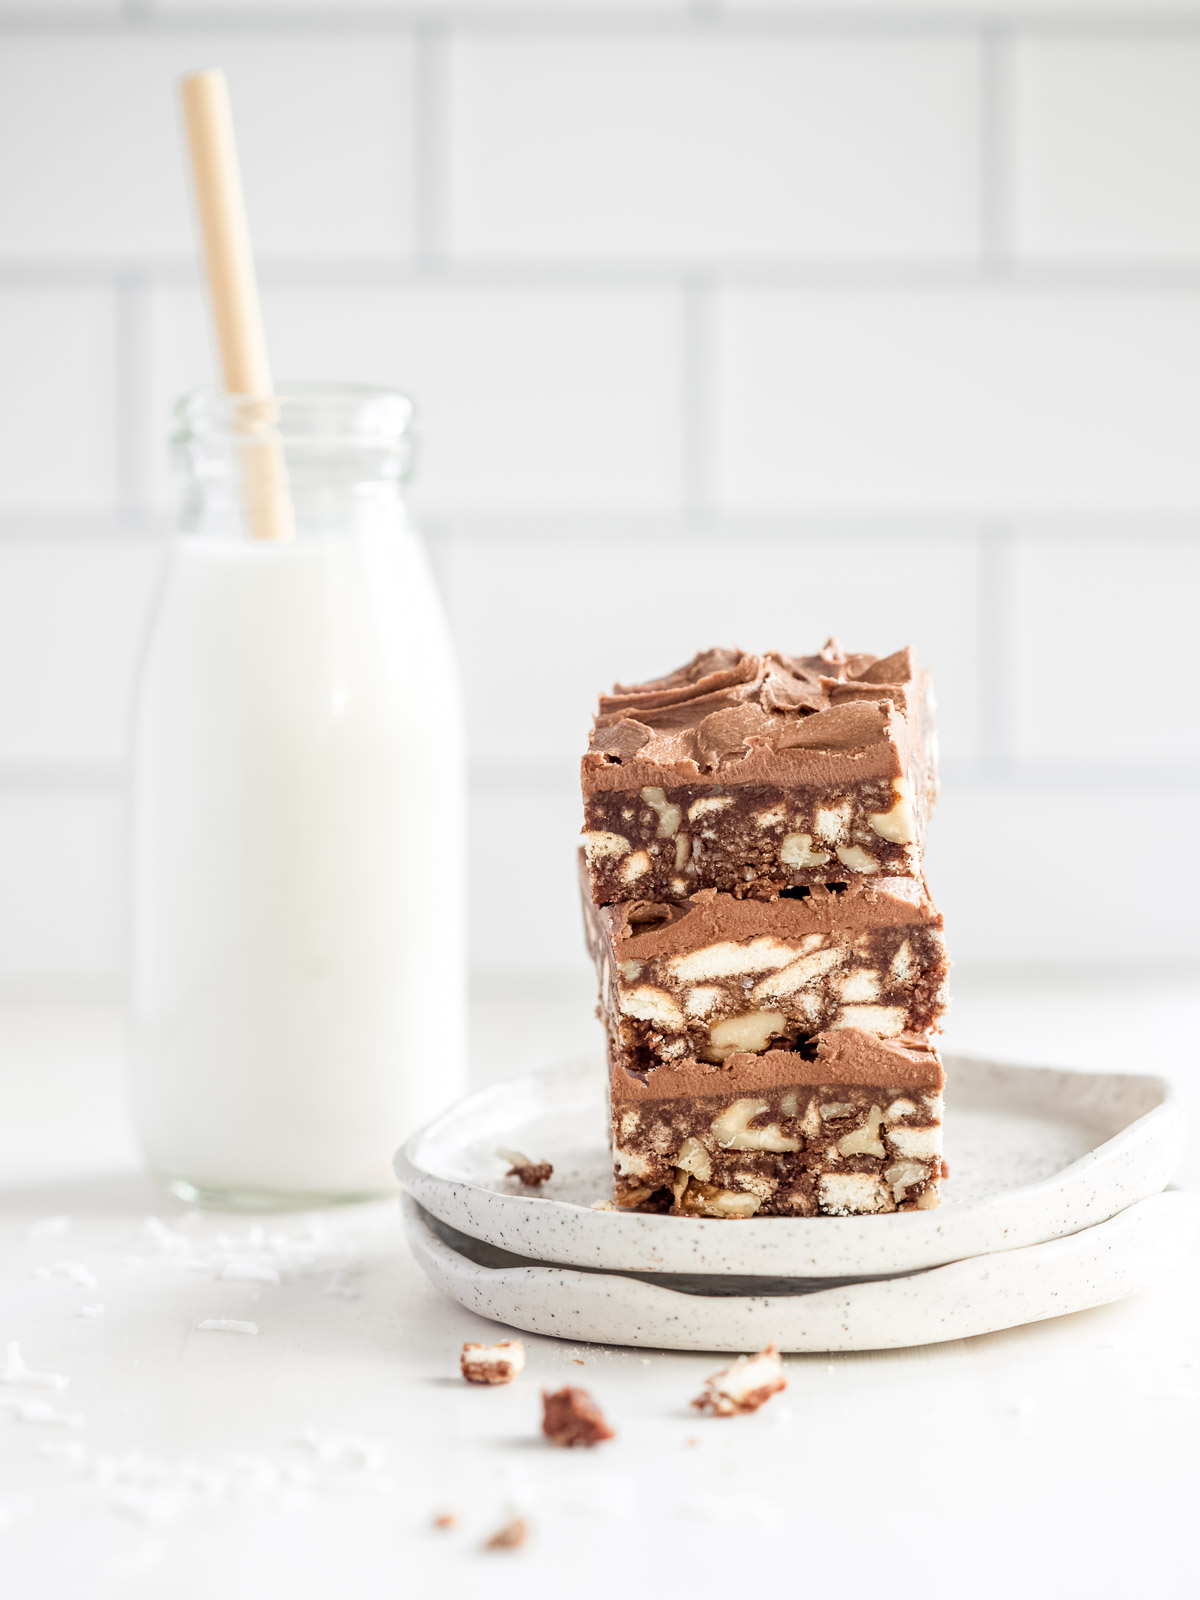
[1034, 1154]
[688, 1311]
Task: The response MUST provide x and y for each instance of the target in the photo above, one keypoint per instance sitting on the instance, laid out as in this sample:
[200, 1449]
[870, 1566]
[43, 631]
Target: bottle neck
[340, 455]
[330, 493]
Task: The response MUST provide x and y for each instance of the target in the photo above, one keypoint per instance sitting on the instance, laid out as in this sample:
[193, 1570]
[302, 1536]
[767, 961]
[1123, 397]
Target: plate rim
[422, 1239]
[1071, 1186]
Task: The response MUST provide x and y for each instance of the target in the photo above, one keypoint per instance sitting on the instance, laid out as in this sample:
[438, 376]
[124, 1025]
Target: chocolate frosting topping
[725, 707]
[846, 1055]
[641, 929]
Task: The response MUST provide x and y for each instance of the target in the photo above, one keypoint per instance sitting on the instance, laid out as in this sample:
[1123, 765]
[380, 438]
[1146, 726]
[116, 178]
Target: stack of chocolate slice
[771, 966]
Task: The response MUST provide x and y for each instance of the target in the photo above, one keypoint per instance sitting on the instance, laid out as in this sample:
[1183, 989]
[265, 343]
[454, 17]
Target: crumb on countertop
[492, 1363]
[510, 1537]
[745, 1386]
[571, 1417]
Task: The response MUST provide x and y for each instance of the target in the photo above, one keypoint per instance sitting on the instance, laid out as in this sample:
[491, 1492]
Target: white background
[746, 322]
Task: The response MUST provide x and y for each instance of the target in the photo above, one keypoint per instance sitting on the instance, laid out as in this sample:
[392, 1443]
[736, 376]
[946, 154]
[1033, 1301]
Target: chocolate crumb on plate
[510, 1537]
[747, 1384]
[529, 1174]
[571, 1417]
[492, 1363]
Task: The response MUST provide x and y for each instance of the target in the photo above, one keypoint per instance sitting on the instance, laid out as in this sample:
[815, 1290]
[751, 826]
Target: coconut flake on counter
[348, 1450]
[258, 1254]
[47, 1228]
[338, 1286]
[68, 1452]
[154, 1492]
[15, 1371]
[226, 1325]
[96, 1309]
[252, 1271]
[13, 1508]
[41, 1413]
[75, 1272]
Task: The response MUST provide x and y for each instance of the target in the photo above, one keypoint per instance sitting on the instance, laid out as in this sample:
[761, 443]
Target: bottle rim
[324, 415]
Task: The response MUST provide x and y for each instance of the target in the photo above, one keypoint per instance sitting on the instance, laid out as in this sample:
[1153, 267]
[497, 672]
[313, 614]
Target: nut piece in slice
[492, 1363]
[510, 1537]
[530, 1174]
[571, 1417]
[747, 1384]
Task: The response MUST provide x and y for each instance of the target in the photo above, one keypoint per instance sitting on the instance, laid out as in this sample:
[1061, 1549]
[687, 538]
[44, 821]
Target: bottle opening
[320, 415]
[335, 452]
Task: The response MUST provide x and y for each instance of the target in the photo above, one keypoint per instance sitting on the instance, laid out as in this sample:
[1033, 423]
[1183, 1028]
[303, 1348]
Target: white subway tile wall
[72, 612]
[325, 134]
[729, 320]
[1067, 589]
[672, 588]
[62, 882]
[714, 148]
[953, 398]
[59, 387]
[529, 397]
[1108, 152]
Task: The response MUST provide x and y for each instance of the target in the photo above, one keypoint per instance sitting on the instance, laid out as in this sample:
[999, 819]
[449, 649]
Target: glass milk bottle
[298, 815]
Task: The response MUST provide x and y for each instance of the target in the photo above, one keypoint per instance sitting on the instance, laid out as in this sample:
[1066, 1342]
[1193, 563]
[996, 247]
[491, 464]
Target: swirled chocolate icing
[847, 1055]
[728, 713]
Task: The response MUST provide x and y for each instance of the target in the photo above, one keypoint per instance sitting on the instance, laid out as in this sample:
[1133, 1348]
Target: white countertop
[1056, 1460]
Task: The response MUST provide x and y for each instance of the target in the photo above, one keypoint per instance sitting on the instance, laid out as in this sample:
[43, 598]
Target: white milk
[299, 841]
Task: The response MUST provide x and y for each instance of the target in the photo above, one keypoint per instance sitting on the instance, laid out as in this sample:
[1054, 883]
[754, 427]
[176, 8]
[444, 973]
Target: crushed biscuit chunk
[510, 1537]
[445, 1519]
[571, 1417]
[492, 1363]
[747, 1384]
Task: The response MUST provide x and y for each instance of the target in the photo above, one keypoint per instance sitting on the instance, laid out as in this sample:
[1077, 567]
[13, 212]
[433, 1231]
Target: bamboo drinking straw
[234, 290]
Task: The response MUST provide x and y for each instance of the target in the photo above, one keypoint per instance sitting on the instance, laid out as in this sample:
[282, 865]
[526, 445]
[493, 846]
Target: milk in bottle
[298, 820]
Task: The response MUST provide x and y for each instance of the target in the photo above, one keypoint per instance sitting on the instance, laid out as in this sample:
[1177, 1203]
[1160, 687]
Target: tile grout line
[132, 421]
[430, 124]
[851, 275]
[698, 380]
[862, 274]
[995, 611]
[63, 777]
[937, 18]
[995, 151]
[437, 535]
[444, 522]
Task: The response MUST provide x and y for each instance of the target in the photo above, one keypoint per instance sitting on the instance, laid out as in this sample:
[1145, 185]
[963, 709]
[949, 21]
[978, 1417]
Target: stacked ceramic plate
[1056, 1201]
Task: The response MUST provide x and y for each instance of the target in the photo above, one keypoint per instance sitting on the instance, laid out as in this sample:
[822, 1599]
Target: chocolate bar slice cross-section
[849, 1128]
[719, 975]
[755, 773]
